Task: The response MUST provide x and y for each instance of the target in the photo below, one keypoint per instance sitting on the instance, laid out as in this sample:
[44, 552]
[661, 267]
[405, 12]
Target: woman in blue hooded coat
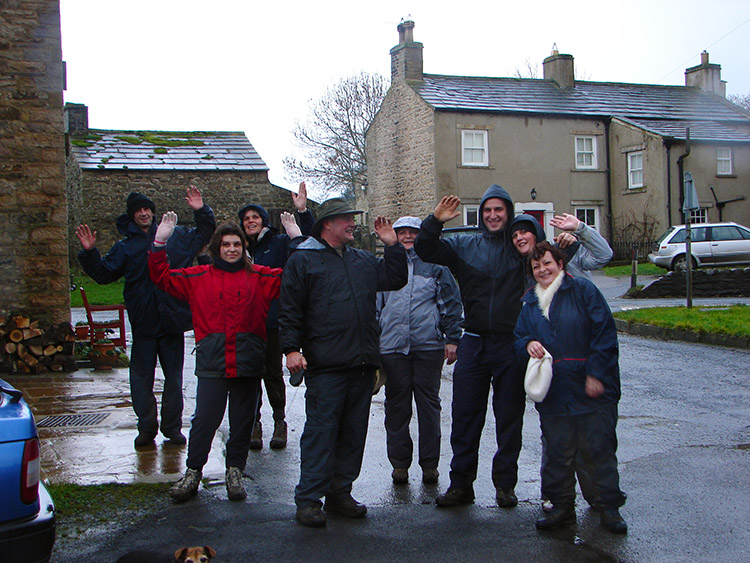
[569, 318]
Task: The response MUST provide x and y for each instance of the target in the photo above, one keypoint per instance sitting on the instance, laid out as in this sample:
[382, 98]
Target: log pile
[26, 348]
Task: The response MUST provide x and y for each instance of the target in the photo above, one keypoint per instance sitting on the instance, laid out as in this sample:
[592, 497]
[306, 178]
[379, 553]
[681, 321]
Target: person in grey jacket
[420, 327]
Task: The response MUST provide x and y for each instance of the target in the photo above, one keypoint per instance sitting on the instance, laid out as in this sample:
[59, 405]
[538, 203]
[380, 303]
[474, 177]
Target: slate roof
[165, 151]
[641, 103]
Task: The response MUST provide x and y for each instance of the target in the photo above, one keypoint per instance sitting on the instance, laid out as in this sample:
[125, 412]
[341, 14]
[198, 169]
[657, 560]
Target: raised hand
[86, 237]
[384, 230]
[447, 209]
[194, 198]
[565, 222]
[166, 227]
[290, 225]
[300, 198]
[565, 239]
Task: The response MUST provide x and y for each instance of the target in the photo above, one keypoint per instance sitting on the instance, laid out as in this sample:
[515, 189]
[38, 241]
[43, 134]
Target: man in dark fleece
[158, 320]
[491, 278]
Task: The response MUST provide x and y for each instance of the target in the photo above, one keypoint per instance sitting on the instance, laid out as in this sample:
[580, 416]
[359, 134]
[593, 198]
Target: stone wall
[400, 157]
[103, 194]
[34, 276]
[706, 283]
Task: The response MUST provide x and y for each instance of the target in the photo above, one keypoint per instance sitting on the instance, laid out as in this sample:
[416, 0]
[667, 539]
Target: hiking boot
[144, 439]
[176, 438]
[187, 486]
[506, 498]
[612, 520]
[455, 496]
[345, 505]
[256, 439]
[311, 516]
[233, 478]
[278, 440]
[558, 517]
[430, 476]
[547, 505]
[400, 475]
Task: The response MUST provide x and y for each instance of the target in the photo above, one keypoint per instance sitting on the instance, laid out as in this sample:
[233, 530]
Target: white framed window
[589, 216]
[471, 215]
[723, 161]
[635, 170]
[699, 215]
[586, 153]
[474, 149]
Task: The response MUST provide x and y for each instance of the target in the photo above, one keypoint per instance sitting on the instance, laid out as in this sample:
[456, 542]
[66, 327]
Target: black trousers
[210, 404]
[594, 436]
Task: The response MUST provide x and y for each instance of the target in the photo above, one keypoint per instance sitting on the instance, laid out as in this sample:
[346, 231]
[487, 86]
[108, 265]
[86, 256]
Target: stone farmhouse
[104, 166]
[611, 153]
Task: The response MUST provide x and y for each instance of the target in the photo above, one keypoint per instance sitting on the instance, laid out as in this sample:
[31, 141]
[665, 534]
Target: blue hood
[495, 191]
[533, 226]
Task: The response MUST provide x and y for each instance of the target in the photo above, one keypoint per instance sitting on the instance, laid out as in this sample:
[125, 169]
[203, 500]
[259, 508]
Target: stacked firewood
[26, 348]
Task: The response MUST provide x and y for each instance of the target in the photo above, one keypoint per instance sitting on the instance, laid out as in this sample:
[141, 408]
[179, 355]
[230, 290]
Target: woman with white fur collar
[570, 318]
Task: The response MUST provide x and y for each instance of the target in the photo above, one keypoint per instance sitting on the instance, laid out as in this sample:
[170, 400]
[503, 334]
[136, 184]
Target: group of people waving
[339, 313]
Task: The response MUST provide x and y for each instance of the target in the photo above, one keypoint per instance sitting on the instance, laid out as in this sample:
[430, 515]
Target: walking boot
[345, 505]
[455, 496]
[233, 478]
[187, 486]
[278, 440]
[144, 439]
[430, 475]
[176, 438]
[506, 498]
[400, 475]
[612, 520]
[311, 516]
[556, 518]
[256, 439]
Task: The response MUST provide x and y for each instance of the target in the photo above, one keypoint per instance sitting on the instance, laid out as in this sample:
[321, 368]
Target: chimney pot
[406, 57]
[706, 76]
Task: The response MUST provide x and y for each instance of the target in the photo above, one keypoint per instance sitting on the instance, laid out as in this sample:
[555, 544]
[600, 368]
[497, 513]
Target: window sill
[600, 170]
[726, 175]
[477, 167]
[640, 190]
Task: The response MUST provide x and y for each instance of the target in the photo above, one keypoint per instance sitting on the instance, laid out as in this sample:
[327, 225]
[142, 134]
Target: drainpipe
[607, 123]
[669, 184]
[680, 169]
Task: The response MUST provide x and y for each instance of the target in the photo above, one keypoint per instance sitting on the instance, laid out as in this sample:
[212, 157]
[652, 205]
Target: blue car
[27, 513]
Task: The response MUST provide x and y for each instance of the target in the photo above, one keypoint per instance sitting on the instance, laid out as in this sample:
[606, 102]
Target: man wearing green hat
[329, 329]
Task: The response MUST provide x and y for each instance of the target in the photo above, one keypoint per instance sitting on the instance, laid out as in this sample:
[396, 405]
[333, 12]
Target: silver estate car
[712, 244]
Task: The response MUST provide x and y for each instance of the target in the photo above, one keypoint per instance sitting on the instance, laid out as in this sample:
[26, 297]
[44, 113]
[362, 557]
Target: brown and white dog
[202, 554]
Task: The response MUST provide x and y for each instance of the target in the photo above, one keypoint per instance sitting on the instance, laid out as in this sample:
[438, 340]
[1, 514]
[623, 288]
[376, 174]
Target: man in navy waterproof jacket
[490, 276]
[329, 328]
[158, 321]
[267, 247]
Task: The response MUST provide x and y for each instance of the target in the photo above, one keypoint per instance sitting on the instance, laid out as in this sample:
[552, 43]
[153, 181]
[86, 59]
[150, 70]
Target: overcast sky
[253, 66]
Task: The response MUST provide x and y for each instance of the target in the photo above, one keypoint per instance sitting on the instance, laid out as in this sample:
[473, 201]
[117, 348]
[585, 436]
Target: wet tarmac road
[684, 436]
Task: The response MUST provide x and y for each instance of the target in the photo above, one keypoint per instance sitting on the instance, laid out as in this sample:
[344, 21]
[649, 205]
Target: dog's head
[194, 554]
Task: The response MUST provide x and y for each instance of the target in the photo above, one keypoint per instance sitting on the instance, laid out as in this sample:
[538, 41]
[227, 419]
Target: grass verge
[733, 320]
[109, 294]
[624, 270]
[84, 509]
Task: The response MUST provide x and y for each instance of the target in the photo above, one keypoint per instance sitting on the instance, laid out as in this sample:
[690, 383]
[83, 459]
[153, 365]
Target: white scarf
[545, 296]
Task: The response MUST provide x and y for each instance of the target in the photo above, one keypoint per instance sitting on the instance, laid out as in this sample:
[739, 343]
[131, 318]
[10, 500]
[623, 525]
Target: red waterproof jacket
[229, 313]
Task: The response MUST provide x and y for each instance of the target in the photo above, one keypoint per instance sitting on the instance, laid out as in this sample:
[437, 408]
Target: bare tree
[740, 100]
[527, 70]
[333, 137]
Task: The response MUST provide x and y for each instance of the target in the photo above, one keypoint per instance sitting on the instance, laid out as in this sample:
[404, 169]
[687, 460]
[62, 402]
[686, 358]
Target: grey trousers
[413, 376]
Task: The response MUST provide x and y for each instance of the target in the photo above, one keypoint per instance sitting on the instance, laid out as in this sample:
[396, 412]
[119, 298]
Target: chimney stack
[406, 57]
[559, 68]
[76, 118]
[707, 77]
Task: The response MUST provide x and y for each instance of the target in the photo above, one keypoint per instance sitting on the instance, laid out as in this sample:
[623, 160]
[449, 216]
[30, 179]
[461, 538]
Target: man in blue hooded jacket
[158, 321]
[490, 276]
[267, 247]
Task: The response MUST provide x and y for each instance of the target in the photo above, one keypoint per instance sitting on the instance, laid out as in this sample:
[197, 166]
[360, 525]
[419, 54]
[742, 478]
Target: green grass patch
[625, 270]
[129, 139]
[733, 320]
[110, 294]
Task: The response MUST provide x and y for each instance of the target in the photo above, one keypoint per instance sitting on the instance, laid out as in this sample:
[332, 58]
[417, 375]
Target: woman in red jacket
[229, 300]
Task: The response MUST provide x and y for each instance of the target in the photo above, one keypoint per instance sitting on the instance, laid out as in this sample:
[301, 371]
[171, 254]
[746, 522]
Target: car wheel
[679, 264]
